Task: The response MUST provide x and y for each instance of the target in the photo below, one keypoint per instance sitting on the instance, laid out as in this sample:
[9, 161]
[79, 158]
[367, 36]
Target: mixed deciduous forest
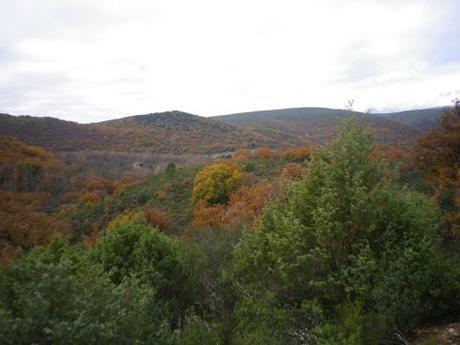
[350, 239]
[176, 132]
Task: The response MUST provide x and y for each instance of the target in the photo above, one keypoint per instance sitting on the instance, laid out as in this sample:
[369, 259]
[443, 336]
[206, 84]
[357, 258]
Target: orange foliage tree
[246, 203]
[97, 188]
[105, 186]
[293, 171]
[244, 207]
[266, 153]
[297, 154]
[23, 225]
[157, 218]
[89, 198]
[438, 155]
[205, 216]
[29, 177]
[241, 155]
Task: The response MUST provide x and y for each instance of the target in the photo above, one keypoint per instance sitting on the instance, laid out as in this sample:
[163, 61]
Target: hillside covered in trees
[177, 132]
[171, 132]
[347, 243]
[319, 125]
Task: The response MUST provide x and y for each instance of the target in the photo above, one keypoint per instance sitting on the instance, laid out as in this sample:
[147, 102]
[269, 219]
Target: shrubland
[348, 243]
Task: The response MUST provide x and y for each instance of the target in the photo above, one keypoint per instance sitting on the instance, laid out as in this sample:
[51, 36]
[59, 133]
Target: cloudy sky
[90, 60]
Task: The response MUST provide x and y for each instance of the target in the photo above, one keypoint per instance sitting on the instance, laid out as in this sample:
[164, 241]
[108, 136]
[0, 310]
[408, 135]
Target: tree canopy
[215, 182]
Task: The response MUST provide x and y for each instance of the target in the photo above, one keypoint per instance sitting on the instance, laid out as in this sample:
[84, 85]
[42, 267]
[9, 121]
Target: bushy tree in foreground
[56, 295]
[132, 248]
[135, 286]
[348, 257]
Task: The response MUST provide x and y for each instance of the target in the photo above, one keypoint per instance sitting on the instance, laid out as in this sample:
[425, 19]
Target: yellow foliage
[126, 217]
[162, 195]
[215, 183]
[164, 191]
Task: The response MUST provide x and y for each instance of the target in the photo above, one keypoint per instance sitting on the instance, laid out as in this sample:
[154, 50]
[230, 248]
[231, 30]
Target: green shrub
[55, 295]
[133, 248]
[349, 230]
[249, 166]
[198, 331]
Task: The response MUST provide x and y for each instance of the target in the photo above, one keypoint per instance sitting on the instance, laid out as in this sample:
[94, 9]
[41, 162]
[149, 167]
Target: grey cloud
[6, 55]
[437, 48]
[28, 87]
[22, 20]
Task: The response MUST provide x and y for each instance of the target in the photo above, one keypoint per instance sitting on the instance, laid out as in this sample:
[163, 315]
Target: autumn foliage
[23, 225]
[266, 153]
[158, 219]
[208, 216]
[97, 188]
[439, 150]
[293, 171]
[241, 155]
[215, 182]
[244, 207]
[297, 154]
[247, 203]
[27, 168]
[89, 198]
[105, 186]
[263, 247]
[168, 132]
[438, 155]
[91, 238]
[27, 176]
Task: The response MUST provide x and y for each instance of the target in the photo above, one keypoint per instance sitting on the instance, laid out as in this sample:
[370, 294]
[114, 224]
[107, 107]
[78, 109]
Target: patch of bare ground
[447, 334]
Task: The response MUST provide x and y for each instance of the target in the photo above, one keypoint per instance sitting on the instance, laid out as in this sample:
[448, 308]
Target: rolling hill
[319, 125]
[183, 133]
[169, 132]
[423, 119]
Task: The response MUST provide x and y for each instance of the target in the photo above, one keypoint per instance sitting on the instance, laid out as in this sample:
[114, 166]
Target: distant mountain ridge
[179, 132]
[319, 125]
[423, 119]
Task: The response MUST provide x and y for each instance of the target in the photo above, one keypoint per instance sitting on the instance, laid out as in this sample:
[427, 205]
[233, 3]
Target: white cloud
[93, 60]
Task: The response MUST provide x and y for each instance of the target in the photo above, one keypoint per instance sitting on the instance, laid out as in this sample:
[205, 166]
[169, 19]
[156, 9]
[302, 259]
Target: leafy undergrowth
[169, 193]
[166, 192]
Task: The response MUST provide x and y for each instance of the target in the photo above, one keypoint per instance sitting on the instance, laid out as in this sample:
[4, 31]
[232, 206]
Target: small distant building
[223, 155]
[138, 165]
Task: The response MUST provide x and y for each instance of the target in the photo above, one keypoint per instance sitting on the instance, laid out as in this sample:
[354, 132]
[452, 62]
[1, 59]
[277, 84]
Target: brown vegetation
[438, 155]
[158, 219]
[169, 132]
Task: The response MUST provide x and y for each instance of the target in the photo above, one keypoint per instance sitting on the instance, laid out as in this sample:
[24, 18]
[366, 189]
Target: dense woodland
[347, 243]
[169, 132]
[176, 132]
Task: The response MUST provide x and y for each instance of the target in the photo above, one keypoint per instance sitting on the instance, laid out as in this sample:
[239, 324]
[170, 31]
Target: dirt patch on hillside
[448, 334]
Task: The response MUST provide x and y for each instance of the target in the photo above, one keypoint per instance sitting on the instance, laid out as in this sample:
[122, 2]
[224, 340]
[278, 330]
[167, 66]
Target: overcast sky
[91, 60]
